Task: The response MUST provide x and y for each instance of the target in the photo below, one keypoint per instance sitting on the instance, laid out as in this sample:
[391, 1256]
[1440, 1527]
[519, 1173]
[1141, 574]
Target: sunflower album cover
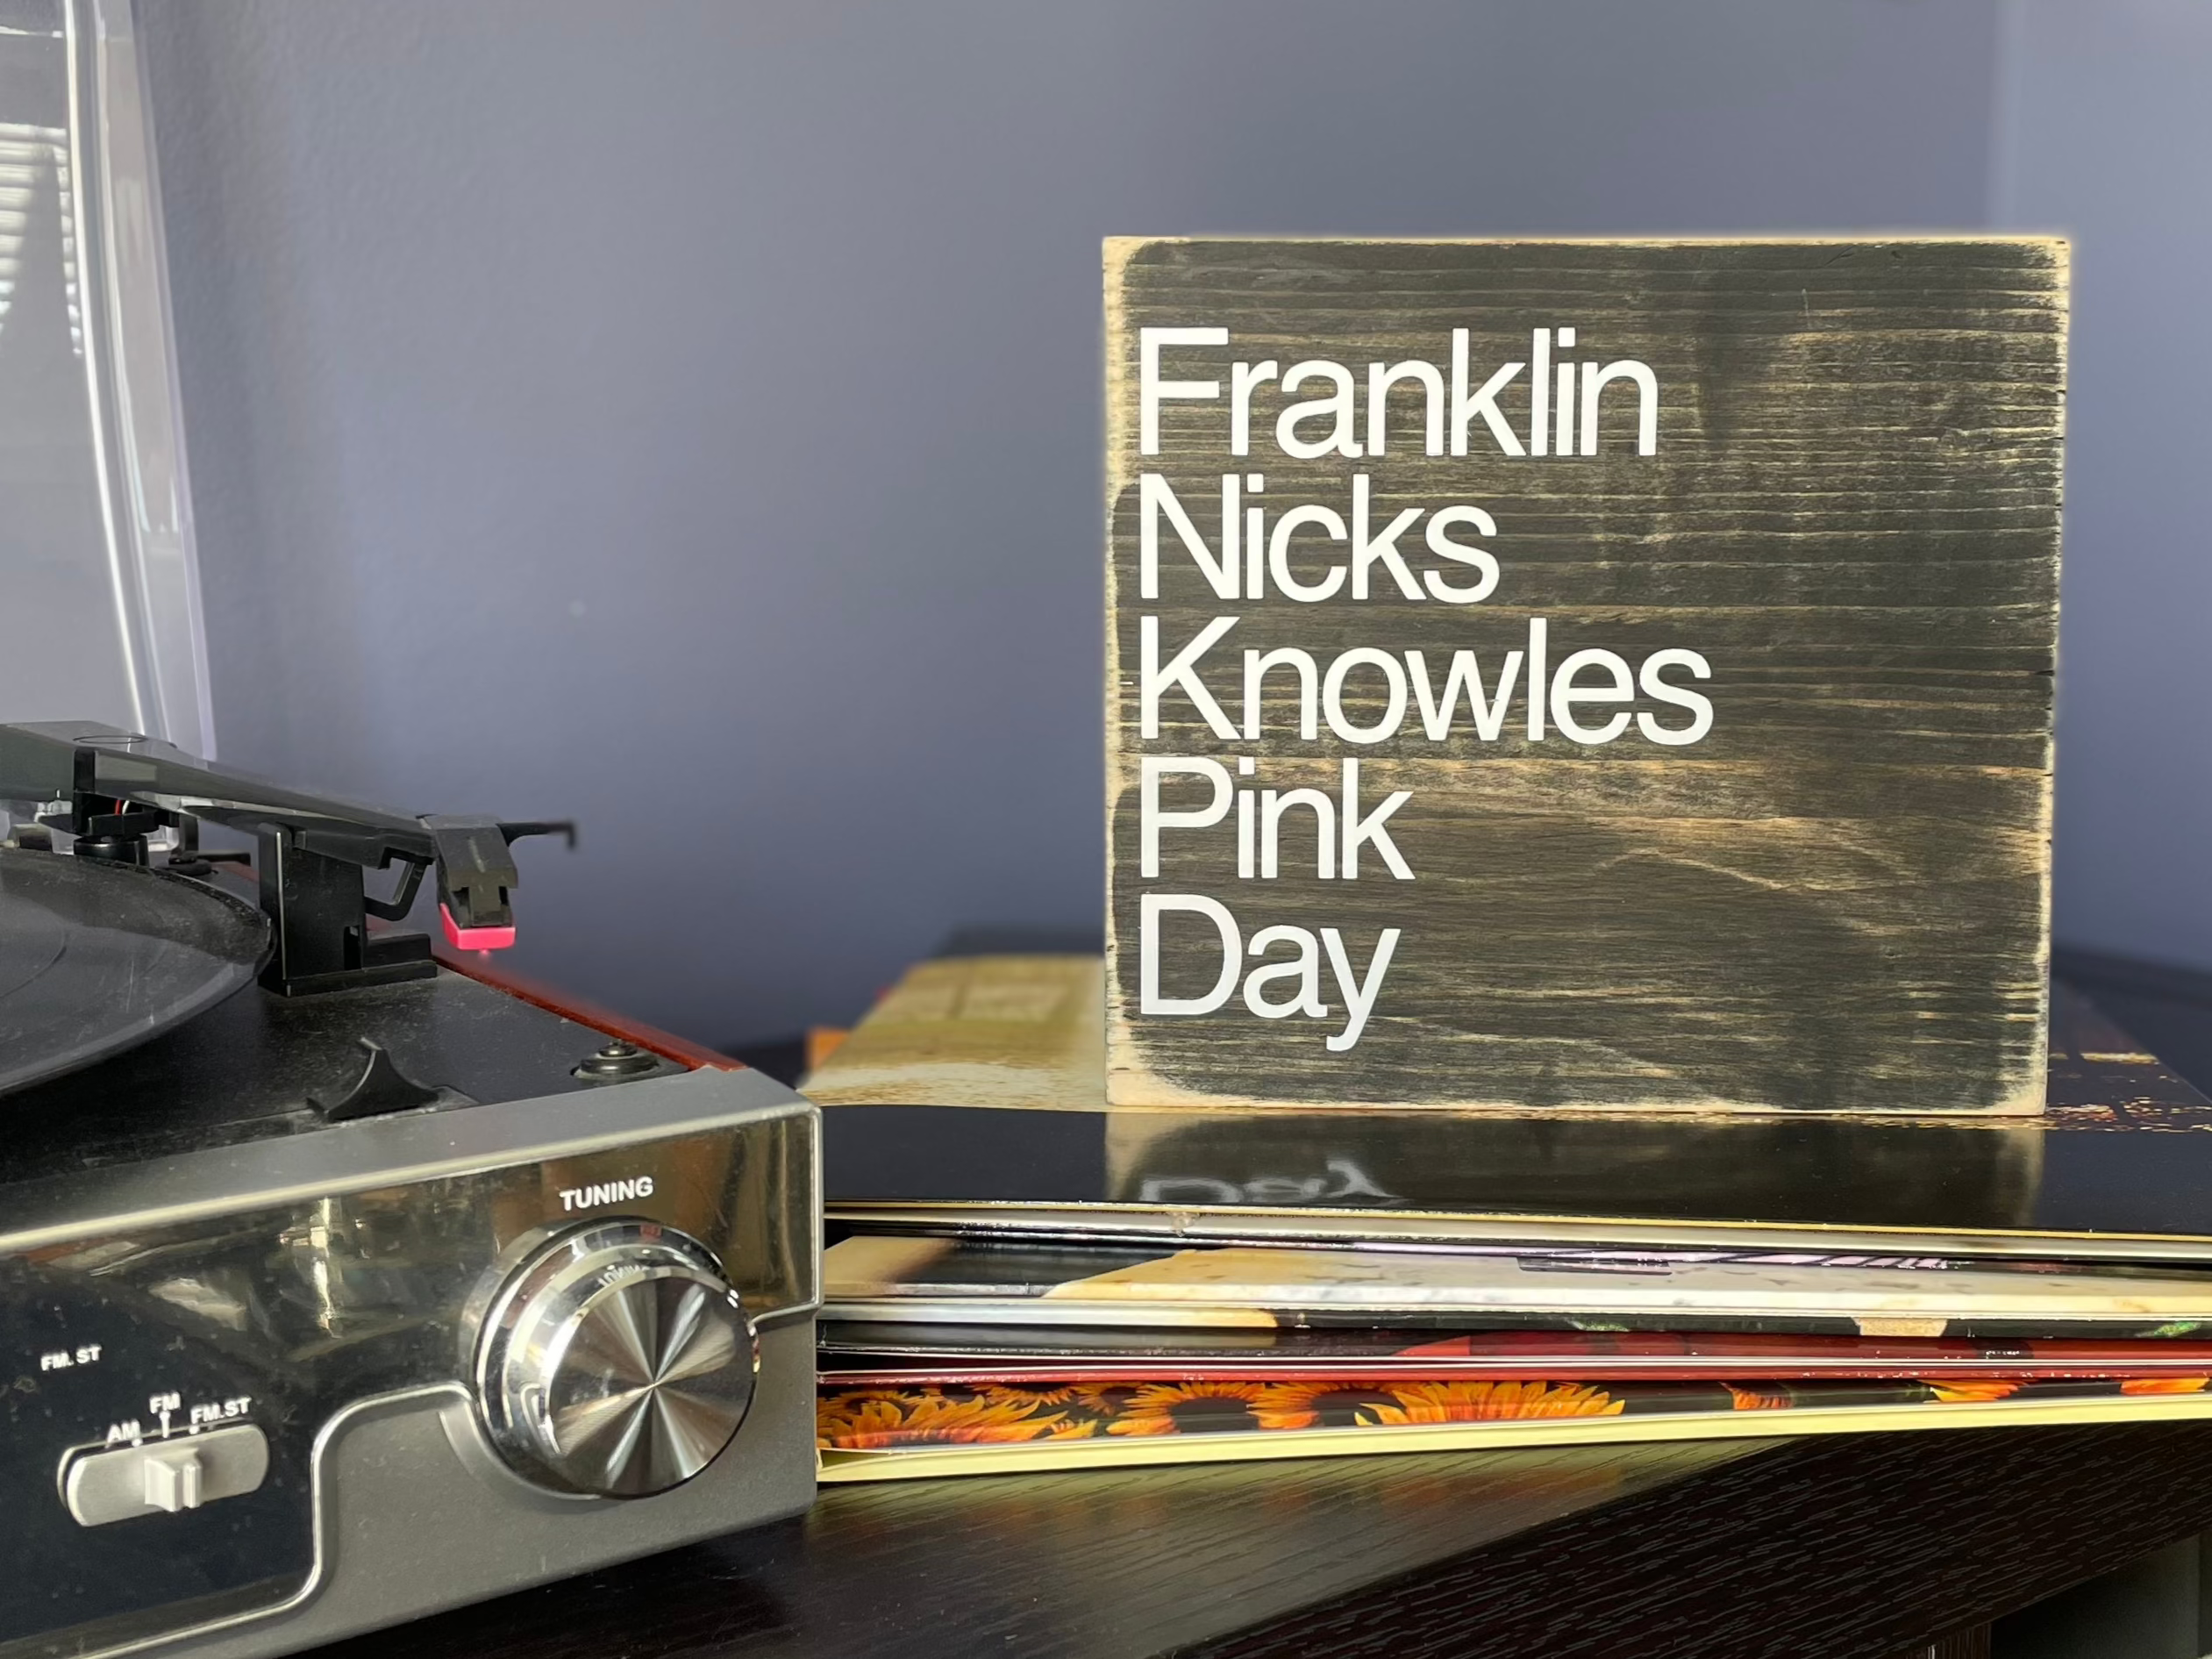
[920, 1278]
[860, 1355]
[888, 1434]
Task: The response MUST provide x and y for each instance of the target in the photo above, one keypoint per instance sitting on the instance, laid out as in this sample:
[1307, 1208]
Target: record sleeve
[902, 1433]
[865, 1355]
[893, 1279]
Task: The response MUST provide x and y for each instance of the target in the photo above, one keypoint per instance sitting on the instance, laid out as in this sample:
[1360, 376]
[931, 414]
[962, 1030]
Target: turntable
[342, 1278]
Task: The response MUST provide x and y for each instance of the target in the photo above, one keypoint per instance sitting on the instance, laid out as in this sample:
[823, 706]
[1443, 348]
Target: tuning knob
[615, 1361]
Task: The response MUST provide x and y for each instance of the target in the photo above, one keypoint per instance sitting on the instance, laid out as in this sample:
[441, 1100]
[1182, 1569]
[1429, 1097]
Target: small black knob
[615, 1062]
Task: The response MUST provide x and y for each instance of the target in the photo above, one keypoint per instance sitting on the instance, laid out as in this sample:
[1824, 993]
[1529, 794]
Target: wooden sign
[1601, 674]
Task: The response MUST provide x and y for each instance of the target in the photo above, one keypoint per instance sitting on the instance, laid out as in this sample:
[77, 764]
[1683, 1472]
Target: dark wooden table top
[1869, 1547]
[1843, 1548]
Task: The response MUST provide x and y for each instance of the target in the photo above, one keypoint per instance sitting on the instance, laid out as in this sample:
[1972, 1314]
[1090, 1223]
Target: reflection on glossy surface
[366, 1260]
[59, 630]
[1783, 1169]
[2123, 1146]
[103, 621]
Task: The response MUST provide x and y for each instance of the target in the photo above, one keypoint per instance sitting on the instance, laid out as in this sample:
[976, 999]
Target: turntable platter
[97, 957]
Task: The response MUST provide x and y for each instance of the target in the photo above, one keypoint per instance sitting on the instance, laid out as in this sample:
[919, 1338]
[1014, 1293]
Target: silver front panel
[310, 1286]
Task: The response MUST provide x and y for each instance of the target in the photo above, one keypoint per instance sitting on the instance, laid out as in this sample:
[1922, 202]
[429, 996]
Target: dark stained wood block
[1838, 531]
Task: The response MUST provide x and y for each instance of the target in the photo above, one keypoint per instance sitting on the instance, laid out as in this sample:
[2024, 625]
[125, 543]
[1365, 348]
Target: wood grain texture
[1105, 1564]
[1836, 900]
[1859, 1550]
[1869, 1548]
[1961, 1644]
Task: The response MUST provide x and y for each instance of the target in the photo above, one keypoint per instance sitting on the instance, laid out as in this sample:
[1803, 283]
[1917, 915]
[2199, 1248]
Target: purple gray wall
[684, 417]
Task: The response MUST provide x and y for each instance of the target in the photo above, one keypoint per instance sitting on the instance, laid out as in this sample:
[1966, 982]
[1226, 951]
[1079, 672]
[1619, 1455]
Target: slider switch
[175, 1481]
[164, 1476]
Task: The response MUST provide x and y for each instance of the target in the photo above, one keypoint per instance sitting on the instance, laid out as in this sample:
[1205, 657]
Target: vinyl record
[96, 957]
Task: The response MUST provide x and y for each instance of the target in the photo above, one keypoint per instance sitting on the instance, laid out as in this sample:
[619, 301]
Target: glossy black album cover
[925, 1276]
[2117, 1163]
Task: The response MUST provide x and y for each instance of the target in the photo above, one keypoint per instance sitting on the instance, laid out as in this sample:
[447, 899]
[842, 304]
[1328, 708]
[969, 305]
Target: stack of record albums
[1579, 764]
[1021, 1278]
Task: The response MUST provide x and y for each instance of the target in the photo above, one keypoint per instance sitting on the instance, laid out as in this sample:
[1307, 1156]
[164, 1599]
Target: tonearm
[113, 791]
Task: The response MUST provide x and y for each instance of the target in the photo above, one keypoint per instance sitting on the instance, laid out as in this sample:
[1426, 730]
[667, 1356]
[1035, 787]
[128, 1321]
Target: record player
[342, 1279]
